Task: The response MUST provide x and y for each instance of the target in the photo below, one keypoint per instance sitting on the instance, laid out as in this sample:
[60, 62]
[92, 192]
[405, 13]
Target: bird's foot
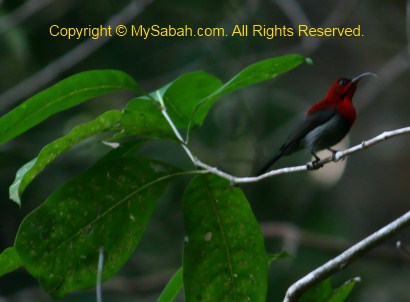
[314, 165]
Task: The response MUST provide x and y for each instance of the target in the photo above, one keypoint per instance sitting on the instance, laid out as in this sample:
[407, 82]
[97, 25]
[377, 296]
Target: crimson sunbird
[326, 123]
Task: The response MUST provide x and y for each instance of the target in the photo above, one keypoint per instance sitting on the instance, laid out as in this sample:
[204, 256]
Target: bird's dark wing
[311, 121]
[293, 142]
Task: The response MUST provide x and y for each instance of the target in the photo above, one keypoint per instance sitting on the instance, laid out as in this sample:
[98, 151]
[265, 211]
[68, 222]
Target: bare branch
[71, 58]
[347, 257]
[294, 12]
[338, 156]
[408, 25]
[26, 10]
[293, 238]
[389, 72]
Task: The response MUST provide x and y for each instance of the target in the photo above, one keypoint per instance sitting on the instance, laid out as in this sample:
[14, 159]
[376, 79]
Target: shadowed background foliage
[312, 218]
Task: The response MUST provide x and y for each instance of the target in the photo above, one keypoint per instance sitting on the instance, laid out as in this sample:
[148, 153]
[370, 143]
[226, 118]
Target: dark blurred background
[314, 216]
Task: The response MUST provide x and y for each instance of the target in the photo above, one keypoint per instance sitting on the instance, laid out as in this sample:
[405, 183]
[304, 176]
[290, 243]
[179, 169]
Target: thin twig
[347, 257]
[403, 248]
[338, 156]
[100, 273]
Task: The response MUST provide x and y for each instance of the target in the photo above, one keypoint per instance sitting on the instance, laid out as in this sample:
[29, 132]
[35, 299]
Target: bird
[326, 122]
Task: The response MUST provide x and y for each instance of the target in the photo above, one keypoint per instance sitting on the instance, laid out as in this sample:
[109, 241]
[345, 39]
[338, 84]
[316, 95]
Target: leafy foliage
[63, 95]
[110, 204]
[324, 291]
[9, 261]
[173, 288]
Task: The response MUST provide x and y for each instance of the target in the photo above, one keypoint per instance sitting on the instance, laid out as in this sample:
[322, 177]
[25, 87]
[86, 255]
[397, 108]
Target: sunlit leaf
[63, 95]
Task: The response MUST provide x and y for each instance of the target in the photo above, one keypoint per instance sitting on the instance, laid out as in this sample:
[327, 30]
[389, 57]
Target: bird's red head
[344, 88]
[340, 96]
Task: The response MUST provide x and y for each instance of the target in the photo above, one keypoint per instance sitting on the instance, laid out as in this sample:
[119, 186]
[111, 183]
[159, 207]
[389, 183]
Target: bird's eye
[343, 82]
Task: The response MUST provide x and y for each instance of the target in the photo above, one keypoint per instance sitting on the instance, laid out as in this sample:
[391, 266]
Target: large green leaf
[142, 117]
[173, 288]
[9, 261]
[182, 96]
[189, 98]
[224, 254]
[253, 74]
[63, 95]
[107, 206]
[340, 294]
[30, 170]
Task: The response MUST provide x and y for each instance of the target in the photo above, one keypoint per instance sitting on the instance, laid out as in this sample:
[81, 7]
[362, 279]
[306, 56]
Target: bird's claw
[314, 165]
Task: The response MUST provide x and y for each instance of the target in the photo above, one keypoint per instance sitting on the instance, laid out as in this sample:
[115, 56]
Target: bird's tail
[266, 167]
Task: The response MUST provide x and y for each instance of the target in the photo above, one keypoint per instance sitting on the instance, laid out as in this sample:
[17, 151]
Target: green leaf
[30, 170]
[189, 98]
[224, 254]
[63, 95]
[341, 293]
[107, 206]
[253, 74]
[9, 261]
[324, 292]
[142, 117]
[279, 256]
[182, 96]
[173, 288]
[319, 293]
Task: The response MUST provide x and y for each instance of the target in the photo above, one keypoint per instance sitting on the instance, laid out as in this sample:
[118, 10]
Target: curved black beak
[360, 76]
